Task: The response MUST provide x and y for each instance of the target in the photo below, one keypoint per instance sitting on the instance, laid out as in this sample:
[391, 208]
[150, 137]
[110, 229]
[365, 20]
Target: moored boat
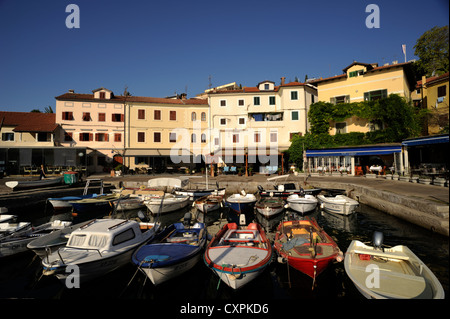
[209, 203]
[195, 194]
[241, 205]
[305, 246]
[270, 206]
[60, 203]
[9, 228]
[172, 252]
[29, 184]
[96, 205]
[302, 203]
[99, 247]
[237, 255]
[400, 274]
[17, 242]
[47, 244]
[339, 204]
[166, 203]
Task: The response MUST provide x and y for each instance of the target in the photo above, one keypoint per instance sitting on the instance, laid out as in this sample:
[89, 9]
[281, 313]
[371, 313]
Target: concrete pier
[424, 205]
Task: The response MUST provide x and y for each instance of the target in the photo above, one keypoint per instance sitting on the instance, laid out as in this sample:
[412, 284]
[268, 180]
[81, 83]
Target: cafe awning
[356, 151]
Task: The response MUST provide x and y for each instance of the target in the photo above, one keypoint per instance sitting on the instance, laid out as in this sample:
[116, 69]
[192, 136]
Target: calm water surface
[20, 275]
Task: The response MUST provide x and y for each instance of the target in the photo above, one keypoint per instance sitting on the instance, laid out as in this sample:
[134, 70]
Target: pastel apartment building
[257, 120]
[364, 82]
[94, 121]
[165, 134]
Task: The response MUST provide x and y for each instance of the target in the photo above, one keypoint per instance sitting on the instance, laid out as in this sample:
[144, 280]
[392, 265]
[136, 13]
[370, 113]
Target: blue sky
[156, 48]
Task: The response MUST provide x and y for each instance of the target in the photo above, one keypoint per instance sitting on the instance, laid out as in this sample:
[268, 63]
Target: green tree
[432, 50]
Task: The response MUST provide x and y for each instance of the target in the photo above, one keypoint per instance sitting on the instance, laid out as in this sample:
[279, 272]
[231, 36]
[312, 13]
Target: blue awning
[426, 140]
[356, 151]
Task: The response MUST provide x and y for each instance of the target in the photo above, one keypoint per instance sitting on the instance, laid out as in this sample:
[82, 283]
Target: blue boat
[59, 203]
[241, 205]
[172, 252]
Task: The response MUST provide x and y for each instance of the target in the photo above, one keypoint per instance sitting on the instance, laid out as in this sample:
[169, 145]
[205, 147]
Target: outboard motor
[260, 188]
[142, 217]
[302, 192]
[377, 240]
[187, 219]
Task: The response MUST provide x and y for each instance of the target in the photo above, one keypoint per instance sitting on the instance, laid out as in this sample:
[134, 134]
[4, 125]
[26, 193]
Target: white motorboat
[170, 203]
[195, 194]
[302, 204]
[99, 247]
[18, 241]
[339, 204]
[390, 273]
[6, 218]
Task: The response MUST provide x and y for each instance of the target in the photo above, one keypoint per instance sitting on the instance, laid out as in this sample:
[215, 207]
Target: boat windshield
[97, 241]
[76, 240]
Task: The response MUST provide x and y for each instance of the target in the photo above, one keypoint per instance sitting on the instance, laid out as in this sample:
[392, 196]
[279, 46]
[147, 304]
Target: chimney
[183, 96]
[282, 80]
[71, 91]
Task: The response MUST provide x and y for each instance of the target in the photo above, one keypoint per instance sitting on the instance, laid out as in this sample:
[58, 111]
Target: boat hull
[46, 182]
[169, 204]
[195, 194]
[269, 207]
[209, 203]
[340, 204]
[302, 205]
[238, 255]
[294, 245]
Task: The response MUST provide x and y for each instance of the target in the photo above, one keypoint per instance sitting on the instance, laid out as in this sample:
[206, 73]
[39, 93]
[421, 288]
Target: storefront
[356, 160]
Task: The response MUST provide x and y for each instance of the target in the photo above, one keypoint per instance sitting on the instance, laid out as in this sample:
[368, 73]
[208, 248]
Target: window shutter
[106, 137]
[91, 137]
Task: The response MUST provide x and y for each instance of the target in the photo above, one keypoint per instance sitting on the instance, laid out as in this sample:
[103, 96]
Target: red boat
[306, 246]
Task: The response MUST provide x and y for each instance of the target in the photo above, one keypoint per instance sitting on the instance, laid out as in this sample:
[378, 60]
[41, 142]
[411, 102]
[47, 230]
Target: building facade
[254, 123]
[364, 82]
[95, 121]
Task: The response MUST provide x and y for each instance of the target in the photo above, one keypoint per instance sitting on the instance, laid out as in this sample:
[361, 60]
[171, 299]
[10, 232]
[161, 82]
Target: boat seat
[379, 253]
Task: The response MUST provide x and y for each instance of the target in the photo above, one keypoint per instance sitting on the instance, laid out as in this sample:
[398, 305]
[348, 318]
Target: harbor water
[21, 275]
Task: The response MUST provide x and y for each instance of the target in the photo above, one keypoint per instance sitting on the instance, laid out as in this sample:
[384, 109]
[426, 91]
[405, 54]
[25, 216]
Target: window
[223, 121]
[86, 137]
[375, 95]
[241, 102]
[193, 116]
[271, 100]
[294, 116]
[441, 90]
[68, 116]
[101, 117]
[141, 137]
[235, 138]
[266, 86]
[312, 98]
[340, 99]
[173, 115]
[9, 136]
[157, 115]
[341, 128]
[117, 117]
[173, 137]
[117, 137]
[101, 137]
[86, 116]
[123, 236]
[256, 100]
[216, 141]
[355, 73]
[193, 138]
[203, 138]
[223, 102]
[294, 95]
[273, 137]
[102, 95]
[157, 137]
[141, 114]
[43, 137]
[203, 116]
[257, 137]
[241, 120]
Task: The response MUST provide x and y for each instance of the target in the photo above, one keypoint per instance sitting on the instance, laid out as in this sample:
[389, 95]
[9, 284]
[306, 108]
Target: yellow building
[253, 125]
[432, 94]
[165, 133]
[364, 82]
